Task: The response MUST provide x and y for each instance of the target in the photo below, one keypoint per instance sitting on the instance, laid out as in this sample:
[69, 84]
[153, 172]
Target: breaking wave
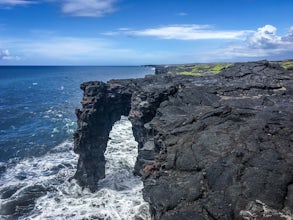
[39, 187]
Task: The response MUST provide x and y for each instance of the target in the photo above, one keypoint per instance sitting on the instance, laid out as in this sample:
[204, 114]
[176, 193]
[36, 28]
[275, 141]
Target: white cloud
[185, 32]
[264, 37]
[78, 8]
[5, 55]
[10, 3]
[263, 43]
[88, 8]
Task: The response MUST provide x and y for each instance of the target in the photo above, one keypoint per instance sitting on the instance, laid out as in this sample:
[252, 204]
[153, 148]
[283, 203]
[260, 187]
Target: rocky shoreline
[210, 147]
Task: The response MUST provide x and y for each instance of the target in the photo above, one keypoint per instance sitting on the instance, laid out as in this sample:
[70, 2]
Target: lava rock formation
[210, 147]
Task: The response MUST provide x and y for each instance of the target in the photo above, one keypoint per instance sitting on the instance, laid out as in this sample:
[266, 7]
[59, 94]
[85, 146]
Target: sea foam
[119, 196]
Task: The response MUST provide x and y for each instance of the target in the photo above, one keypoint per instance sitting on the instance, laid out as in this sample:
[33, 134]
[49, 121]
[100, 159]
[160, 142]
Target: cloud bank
[262, 43]
[184, 32]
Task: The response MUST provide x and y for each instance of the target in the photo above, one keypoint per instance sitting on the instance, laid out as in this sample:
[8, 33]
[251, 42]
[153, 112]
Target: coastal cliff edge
[209, 147]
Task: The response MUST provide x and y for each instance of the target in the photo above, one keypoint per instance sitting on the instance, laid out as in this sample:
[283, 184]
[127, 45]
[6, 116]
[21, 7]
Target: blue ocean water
[37, 121]
[37, 104]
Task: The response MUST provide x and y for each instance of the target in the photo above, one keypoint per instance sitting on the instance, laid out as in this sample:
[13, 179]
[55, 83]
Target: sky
[138, 32]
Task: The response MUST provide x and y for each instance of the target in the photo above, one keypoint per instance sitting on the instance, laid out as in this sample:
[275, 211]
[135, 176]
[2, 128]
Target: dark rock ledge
[210, 147]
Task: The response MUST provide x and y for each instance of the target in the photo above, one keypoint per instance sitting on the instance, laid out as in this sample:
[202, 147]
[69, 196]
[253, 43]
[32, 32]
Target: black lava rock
[210, 147]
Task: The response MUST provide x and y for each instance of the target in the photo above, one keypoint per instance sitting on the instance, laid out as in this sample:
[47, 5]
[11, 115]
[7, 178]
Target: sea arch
[102, 105]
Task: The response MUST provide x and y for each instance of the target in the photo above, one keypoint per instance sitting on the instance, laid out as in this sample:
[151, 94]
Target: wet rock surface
[22, 201]
[210, 147]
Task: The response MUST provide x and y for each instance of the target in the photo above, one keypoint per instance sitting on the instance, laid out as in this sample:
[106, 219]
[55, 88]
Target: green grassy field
[198, 69]
[213, 68]
[287, 64]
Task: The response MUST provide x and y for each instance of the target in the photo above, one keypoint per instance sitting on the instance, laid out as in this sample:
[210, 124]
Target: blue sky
[134, 32]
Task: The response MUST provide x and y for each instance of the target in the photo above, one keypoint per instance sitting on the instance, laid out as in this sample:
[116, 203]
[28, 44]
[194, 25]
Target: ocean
[37, 122]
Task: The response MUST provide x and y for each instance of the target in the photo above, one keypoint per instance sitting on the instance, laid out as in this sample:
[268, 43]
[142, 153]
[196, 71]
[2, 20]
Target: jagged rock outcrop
[210, 147]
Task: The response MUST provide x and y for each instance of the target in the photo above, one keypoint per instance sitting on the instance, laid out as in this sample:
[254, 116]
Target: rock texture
[210, 147]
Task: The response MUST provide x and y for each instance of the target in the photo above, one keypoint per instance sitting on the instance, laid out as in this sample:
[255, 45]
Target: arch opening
[120, 188]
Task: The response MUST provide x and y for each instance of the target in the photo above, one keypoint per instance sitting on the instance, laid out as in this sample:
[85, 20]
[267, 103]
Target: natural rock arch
[209, 147]
[102, 105]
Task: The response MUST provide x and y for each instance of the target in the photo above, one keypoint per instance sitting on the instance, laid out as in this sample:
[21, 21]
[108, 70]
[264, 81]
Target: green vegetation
[287, 64]
[186, 73]
[213, 68]
[199, 69]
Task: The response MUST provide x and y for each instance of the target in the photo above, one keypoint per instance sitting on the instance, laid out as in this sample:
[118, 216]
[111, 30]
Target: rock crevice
[210, 147]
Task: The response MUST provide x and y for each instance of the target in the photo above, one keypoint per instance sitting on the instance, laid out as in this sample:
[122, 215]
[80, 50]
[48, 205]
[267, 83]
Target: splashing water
[45, 180]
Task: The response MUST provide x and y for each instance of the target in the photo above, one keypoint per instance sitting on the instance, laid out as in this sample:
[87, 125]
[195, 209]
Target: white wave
[120, 194]
[40, 169]
[69, 126]
[55, 130]
[57, 116]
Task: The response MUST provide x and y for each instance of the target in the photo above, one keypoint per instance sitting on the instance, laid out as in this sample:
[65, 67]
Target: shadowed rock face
[210, 147]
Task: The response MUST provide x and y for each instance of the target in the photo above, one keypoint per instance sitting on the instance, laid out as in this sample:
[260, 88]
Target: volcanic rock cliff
[210, 147]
